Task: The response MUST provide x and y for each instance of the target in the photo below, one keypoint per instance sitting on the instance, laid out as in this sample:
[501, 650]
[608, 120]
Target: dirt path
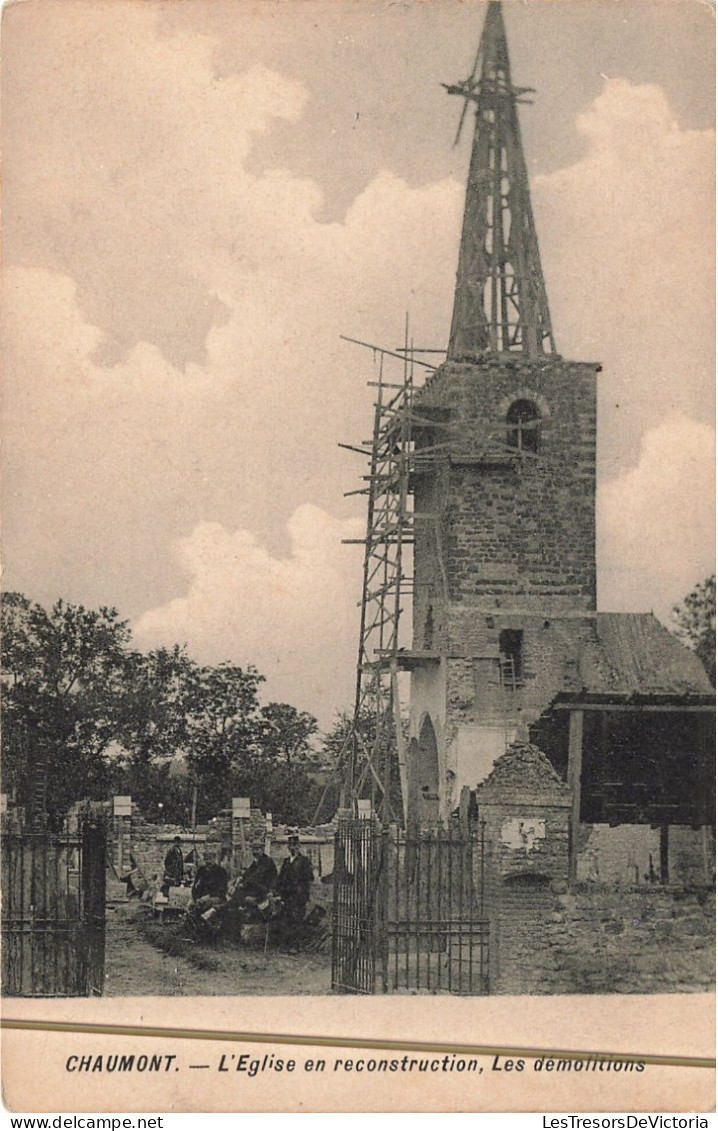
[133, 967]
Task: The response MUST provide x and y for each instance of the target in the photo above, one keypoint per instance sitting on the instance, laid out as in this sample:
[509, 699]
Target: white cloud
[294, 618]
[126, 155]
[657, 520]
[123, 481]
[628, 234]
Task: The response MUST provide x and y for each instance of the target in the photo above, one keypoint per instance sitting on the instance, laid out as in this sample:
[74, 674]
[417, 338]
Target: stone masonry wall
[517, 527]
[505, 542]
[526, 807]
[530, 836]
[603, 939]
[148, 843]
[551, 650]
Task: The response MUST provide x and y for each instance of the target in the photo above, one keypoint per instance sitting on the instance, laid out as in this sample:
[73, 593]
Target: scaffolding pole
[373, 755]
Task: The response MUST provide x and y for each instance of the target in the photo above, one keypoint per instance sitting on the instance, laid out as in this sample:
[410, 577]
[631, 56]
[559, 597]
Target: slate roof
[634, 655]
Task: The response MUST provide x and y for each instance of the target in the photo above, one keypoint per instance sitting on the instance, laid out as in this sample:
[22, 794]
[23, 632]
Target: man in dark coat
[209, 895]
[211, 880]
[258, 879]
[294, 883]
[174, 867]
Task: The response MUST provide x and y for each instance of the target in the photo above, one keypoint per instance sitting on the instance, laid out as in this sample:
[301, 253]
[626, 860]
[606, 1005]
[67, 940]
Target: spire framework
[500, 302]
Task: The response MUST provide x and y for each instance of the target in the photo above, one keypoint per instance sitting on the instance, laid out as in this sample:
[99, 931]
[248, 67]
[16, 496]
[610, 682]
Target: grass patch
[168, 939]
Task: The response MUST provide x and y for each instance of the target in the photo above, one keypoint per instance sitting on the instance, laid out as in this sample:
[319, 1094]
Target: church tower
[503, 478]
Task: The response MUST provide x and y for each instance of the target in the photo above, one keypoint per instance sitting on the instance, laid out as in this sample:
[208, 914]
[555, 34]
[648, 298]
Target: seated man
[211, 879]
[295, 882]
[256, 881]
[209, 893]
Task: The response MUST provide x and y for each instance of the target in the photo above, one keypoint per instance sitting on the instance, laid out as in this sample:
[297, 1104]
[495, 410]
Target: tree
[152, 729]
[164, 795]
[288, 731]
[695, 623]
[286, 792]
[159, 690]
[86, 716]
[234, 749]
[63, 677]
[224, 728]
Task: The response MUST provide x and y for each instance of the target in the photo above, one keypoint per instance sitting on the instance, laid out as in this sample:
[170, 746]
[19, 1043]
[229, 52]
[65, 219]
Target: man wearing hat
[257, 880]
[295, 881]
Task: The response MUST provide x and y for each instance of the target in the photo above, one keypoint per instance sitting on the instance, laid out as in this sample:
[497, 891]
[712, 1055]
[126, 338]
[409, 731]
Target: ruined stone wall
[605, 939]
[230, 836]
[550, 663]
[148, 844]
[529, 837]
[615, 932]
[483, 713]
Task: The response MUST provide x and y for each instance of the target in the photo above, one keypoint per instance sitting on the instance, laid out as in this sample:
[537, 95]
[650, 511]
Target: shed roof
[633, 654]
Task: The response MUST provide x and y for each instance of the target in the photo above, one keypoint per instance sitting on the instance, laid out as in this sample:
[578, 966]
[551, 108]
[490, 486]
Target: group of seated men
[259, 892]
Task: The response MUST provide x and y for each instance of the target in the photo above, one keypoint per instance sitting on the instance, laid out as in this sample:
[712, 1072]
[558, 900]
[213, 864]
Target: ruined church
[508, 645]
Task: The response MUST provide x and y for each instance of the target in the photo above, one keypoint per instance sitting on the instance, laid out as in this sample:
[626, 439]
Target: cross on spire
[500, 302]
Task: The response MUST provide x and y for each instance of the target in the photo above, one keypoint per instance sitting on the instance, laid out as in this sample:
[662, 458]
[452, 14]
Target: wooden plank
[673, 708]
[575, 760]
[400, 742]
[385, 352]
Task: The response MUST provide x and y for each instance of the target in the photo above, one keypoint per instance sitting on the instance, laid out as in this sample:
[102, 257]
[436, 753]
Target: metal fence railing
[53, 913]
[410, 910]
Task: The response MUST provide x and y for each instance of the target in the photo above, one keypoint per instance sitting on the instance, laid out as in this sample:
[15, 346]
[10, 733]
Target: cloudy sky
[201, 196]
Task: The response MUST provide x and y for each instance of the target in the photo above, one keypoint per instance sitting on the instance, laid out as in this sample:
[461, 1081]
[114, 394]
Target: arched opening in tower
[427, 774]
[523, 421]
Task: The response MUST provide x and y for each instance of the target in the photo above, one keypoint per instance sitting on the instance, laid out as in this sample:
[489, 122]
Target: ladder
[507, 673]
[507, 683]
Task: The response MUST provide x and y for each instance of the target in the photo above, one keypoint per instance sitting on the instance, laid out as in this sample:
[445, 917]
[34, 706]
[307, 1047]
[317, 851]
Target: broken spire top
[500, 303]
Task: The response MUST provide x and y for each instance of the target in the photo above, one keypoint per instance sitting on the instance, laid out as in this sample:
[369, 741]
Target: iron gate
[410, 910]
[53, 913]
[359, 859]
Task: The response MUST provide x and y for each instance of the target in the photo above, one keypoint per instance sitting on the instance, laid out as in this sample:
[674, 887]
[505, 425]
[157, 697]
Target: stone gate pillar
[526, 808]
